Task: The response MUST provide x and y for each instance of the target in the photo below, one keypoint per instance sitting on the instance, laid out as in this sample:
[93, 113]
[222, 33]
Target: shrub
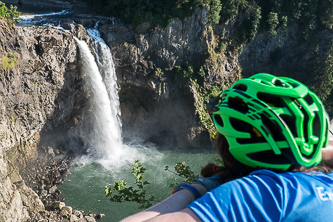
[273, 22]
[120, 192]
[9, 60]
[10, 14]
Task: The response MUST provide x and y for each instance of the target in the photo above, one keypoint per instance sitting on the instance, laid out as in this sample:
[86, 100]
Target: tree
[273, 22]
[10, 14]
[255, 22]
[325, 13]
[323, 73]
[215, 9]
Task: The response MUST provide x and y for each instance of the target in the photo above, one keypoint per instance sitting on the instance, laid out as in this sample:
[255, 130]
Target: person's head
[270, 122]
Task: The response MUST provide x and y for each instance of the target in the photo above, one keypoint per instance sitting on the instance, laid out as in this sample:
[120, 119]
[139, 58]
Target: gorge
[46, 100]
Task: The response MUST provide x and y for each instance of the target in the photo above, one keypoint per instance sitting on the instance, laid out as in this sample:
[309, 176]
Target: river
[84, 187]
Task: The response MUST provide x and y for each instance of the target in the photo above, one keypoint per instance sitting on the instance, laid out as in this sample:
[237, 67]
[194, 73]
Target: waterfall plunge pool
[83, 189]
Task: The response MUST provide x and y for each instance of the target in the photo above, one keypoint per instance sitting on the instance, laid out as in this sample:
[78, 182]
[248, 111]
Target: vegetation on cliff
[251, 16]
[156, 12]
[8, 16]
[10, 13]
[9, 60]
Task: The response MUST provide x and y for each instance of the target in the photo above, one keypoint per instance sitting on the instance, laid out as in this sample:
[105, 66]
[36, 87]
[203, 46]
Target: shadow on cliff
[70, 104]
[168, 123]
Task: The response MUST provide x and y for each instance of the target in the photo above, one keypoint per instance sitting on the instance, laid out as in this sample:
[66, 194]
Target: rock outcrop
[154, 107]
[37, 93]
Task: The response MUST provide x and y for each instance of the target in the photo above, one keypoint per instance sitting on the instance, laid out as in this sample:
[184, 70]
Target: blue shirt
[267, 196]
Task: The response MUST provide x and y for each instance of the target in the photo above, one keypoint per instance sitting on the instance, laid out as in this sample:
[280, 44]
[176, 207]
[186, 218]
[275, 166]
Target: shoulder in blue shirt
[268, 196]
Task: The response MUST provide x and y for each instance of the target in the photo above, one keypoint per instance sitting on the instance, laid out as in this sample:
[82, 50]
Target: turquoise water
[84, 187]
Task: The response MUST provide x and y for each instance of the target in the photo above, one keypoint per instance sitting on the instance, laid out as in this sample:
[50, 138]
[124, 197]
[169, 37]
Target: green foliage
[325, 13]
[231, 8]
[124, 193]
[184, 171]
[248, 28]
[205, 96]
[323, 73]
[273, 22]
[136, 12]
[120, 192]
[159, 72]
[201, 72]
[255, 22]
[206, 121]
[308, 14]
[10, 14]
[8, 61]
[215, 9]
[184, 73]
[251, 15]
[156, 12]
[222, 47]
[284, 21]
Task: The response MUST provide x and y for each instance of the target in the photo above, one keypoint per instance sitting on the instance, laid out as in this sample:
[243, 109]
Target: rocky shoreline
[44, 177]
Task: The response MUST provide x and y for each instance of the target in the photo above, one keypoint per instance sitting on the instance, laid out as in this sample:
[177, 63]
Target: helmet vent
[242, 126]
[293, 84]
[218, 120]
[279, 83]
[271, 100]
[308, 99]
[316, 125]
[264, 82]
[270, 157]
[238, 104]
[241, 87]
[305, 125]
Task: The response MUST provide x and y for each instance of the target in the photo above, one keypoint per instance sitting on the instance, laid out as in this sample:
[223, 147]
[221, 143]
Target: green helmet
[272, 122]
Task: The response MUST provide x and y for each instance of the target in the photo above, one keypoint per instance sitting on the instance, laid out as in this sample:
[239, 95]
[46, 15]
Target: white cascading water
[107, 71]
[102, 134]
[105, 130]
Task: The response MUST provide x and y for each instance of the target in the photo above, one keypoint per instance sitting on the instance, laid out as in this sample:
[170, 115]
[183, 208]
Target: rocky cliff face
[146, 59]
[38, 93]
[154, 107]
[284, 54]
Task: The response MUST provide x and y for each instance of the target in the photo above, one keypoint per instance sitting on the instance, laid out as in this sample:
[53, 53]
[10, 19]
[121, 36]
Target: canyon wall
[42, 93]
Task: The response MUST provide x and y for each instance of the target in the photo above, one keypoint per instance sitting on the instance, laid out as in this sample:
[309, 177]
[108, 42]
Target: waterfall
[107, 70]
[103, 136]
[101, 132]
